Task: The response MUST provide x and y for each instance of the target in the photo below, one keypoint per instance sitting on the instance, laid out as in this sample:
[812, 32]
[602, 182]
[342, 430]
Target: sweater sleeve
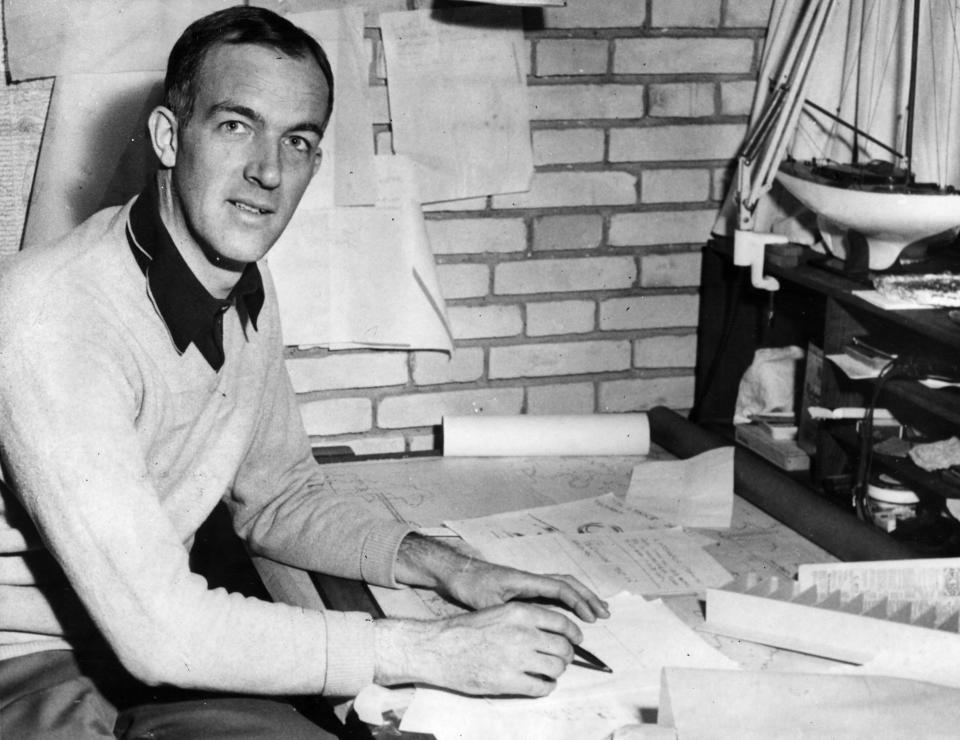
[70, 447]
[281, 504]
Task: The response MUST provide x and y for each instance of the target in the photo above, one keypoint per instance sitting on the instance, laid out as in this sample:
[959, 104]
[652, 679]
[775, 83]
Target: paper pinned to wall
[346, 176]
[458, 100]
[95, 151]
[697, 492]
[50, 38]
[361, 276]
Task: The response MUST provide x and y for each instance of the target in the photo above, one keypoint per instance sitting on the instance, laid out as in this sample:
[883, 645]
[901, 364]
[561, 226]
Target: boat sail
[860, 123]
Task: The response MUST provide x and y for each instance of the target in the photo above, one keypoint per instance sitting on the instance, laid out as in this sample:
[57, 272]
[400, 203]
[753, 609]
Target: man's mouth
[247, 208]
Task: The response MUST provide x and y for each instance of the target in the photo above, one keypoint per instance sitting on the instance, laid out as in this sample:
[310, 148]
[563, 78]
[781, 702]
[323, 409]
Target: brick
[679, 142]
[564, 189]
[568, 398]
[337, 416]
[685, 13]
[670, 270]
[736, 98]
[674, 185]
[572, 102]
[423, 442]
[378, 104]
[477, 235]
[681, 100]
[432, 368]
[426, 409]
[560, 317]
[492, 320]
[642, 394]
[375, 444]
[722, 177]
[564, 275]
[748, 14]
[597, 14]
[661, 227]
[462, 204]
[666, 350]
[658, 56]
[463, 281]
[571, 57]
[571, 358]
[648, 312]
[351, 370]
[567, 146]
[580, 231]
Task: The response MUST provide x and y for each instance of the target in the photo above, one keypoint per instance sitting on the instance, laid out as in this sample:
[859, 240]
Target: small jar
[888, 502]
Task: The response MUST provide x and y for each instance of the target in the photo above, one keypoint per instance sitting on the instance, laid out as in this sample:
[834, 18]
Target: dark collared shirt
[191, 314]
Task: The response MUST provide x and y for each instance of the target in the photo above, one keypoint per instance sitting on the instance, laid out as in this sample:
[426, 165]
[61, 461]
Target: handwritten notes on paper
[693, 493]
[655, 562]
[458, 100]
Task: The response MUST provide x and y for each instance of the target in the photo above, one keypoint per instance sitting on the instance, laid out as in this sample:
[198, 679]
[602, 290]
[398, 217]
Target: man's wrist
[425, 562]
[399, 650]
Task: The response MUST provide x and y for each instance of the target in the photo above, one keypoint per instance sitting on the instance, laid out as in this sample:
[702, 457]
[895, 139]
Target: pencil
[589, 660]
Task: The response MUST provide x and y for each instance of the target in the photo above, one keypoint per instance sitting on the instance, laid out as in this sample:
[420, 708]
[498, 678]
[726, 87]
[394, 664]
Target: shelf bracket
[748, 251]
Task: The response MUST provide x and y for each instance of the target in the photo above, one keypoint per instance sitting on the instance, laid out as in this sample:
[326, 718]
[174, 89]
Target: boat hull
[890, 221]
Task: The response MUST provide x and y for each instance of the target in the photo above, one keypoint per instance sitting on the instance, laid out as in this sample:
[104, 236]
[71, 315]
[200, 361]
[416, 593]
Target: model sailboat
[860, 124]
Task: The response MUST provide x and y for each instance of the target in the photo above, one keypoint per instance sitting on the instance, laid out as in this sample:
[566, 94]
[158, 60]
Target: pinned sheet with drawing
[474, 138]
[637, 641]
[697, 492]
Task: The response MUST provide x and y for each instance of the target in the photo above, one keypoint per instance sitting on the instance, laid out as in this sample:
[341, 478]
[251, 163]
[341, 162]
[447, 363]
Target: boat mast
[912, 93]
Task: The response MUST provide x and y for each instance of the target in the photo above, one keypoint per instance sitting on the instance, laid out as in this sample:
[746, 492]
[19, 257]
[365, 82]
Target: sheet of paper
[600, 514]
[419, 490]
[697, 492]
[759, 705]
[887, 302]
[547, 434]
[49, 38]
[346, 177]
[360, 276]
[925, 582]
[917, 662]
[473, 138]
[654, 562]
[639, 639]
[95, 150]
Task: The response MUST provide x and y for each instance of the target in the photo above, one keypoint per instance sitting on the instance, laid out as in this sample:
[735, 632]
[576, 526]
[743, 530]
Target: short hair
[237, 25]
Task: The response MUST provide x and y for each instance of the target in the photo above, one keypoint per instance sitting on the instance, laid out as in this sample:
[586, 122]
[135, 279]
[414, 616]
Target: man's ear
[164, 132]
[317, 159]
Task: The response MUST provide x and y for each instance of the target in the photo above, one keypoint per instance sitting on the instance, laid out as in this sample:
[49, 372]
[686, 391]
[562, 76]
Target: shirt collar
[190, 313]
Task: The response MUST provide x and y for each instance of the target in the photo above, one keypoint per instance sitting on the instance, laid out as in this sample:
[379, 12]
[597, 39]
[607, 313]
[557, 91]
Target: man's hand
[509, 649]
[478, 584]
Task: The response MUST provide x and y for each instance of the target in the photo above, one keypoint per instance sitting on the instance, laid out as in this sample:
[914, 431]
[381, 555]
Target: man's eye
[300, 144]
[233, 127]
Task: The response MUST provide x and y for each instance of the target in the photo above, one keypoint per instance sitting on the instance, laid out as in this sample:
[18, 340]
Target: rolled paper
[522, 436]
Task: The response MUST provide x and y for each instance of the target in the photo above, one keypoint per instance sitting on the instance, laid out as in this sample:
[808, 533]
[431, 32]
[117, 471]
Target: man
[142, 381]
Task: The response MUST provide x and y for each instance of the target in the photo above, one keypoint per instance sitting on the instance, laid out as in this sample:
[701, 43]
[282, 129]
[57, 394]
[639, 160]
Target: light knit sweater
[118, 448]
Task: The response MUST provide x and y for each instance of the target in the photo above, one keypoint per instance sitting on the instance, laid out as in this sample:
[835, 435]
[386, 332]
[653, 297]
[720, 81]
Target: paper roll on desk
[524, 436]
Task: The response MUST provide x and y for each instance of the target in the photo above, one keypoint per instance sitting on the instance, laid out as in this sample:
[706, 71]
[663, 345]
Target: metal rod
[860, 132]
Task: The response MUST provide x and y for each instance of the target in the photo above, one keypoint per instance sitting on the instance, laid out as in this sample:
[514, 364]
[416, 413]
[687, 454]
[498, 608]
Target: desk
[795, 528]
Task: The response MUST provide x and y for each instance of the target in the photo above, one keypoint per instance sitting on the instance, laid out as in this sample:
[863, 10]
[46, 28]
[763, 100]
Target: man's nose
[264, 165]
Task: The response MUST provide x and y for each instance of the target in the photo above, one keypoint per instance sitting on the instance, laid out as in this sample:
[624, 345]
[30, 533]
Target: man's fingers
[584, 602]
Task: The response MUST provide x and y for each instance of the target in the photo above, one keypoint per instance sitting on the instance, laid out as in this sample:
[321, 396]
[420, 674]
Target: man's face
[247, 153]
